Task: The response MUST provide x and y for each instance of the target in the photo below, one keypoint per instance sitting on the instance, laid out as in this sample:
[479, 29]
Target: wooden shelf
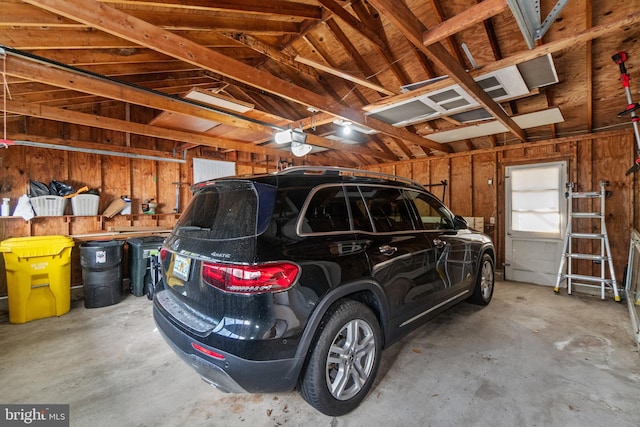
[70, 225]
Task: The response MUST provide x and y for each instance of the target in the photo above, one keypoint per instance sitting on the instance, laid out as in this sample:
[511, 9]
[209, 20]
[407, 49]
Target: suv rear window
[227, 210]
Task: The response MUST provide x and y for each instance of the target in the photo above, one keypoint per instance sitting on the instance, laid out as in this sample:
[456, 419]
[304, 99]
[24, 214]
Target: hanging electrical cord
[4, 143]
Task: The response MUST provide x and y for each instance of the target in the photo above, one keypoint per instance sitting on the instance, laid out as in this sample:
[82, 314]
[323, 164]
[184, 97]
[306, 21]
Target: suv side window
[327, 211]
[388, 208]
[433, 214]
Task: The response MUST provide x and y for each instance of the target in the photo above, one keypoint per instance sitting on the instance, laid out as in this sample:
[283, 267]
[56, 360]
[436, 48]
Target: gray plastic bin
[101, 263]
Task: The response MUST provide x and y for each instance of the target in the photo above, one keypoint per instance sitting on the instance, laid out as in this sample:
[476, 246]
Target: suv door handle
[439, 243]
[387, 249]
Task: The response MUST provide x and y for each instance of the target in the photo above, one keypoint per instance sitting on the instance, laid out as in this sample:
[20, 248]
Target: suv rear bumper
[232, 374]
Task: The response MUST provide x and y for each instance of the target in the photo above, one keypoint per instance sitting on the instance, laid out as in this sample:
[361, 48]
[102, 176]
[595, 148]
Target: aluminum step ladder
[604, 257]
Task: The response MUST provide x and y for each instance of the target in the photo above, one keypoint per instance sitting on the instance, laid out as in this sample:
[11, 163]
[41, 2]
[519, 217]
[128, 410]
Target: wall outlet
[492, 220]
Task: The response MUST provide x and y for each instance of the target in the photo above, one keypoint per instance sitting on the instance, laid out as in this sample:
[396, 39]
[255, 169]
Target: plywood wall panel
[45, 165]
[484, 189]
[388, 169]
[85, 225]
[611, 166]
[244, 169]
[461, 192]
[13, 173]
[144, 221]
[85, 169]
[143, 183]
[50, 226]
[167, 175]
[440, 171]
[404, 170]
[116, 176]
[420, 172]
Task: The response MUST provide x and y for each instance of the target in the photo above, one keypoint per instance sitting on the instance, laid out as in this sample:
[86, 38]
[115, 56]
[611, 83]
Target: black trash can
[101, 263]
[140, 250]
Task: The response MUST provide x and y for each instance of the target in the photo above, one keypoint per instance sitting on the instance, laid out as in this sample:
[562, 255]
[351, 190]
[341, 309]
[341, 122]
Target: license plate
[181, 267]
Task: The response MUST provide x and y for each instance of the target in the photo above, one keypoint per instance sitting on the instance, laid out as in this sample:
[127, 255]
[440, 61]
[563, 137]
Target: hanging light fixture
[283, 136]
[290, 135]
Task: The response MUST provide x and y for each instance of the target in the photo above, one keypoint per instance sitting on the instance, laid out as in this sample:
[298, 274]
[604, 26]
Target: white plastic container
[85, 204]
[48, 205]
[5, 207]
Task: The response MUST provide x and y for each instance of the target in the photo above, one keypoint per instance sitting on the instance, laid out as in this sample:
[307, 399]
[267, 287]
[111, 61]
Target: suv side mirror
[460, 223]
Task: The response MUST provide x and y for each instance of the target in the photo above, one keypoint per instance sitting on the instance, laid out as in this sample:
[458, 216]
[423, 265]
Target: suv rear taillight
[250, 279]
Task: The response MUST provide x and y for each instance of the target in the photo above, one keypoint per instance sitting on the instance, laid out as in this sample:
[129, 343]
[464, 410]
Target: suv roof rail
[335, 170]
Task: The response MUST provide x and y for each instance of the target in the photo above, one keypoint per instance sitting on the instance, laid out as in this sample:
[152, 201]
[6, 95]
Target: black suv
[300, 278]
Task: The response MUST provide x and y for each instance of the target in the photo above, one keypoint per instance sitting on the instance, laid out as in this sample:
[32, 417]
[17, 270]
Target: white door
[535, 221]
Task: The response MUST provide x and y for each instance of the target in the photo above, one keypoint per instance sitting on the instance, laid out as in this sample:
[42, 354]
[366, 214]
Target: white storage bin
[85, 204]
[48, 205]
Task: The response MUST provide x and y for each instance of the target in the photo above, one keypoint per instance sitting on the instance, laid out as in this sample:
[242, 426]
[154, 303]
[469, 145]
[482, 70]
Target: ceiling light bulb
[346, 128]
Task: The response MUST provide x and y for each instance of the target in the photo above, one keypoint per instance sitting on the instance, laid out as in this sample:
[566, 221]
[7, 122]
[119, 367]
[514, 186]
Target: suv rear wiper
[193, 228]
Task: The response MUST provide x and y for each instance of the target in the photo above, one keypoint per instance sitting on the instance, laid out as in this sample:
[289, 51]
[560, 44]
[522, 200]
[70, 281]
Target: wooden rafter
[59, 77]
[413, 30]
[102, 122]
[567, 42]
[274, 54]
[471, 16]
[271, 7]
[118, 23]
[343, 75]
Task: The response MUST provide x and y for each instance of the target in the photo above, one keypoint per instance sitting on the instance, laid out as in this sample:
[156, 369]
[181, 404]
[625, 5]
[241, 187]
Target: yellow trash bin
[38, 276]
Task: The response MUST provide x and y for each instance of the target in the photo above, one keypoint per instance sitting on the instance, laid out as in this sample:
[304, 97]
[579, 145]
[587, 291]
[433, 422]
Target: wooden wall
[604, 156]
[468, 192]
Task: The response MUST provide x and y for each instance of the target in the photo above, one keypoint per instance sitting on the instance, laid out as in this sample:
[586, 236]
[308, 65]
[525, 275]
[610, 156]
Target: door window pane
[535, 200]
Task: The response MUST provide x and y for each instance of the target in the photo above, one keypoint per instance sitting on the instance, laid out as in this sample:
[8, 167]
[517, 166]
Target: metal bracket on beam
[527, 15]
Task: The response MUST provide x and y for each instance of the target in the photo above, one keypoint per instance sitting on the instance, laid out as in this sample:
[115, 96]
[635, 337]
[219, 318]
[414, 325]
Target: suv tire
[483, 290]
[345, 359]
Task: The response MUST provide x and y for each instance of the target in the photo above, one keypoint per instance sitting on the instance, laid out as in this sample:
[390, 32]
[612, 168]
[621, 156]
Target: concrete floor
[531, 358]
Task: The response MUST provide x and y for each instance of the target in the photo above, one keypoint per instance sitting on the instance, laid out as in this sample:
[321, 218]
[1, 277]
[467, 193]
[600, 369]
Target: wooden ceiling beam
[271, 7]
[274, 54]
[57, 94]
[80, 57]
[413, 30]
[343, 75]
[171, 20]
[26, 68]
[68, 116]
[112, 90]
[567, 42]
[125, 26]
[24, 15]
[471, 16]
[63, 38]
[439, 14]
